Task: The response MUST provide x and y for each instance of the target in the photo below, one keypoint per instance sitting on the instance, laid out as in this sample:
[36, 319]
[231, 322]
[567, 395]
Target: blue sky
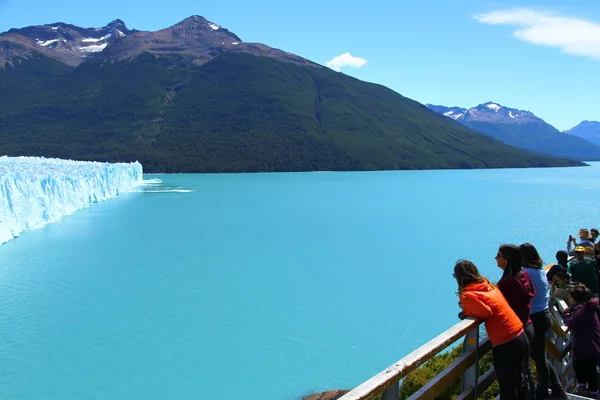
[542, 56]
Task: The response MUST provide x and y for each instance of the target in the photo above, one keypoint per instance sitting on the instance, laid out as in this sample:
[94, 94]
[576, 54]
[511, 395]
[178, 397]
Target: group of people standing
[517, 320]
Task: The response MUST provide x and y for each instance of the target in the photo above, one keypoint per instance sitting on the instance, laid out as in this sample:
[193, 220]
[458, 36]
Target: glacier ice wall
[35, 191]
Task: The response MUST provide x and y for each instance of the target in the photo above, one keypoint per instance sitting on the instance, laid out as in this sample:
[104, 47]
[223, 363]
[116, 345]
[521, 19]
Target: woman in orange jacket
[480, 299]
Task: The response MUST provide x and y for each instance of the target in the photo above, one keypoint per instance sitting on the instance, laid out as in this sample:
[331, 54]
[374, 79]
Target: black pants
[530, 333]
[546, 374]
[585, 370]
[510, 361]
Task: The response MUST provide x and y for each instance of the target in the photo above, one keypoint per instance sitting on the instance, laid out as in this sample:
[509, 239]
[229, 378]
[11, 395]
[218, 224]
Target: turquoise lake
[262, 286]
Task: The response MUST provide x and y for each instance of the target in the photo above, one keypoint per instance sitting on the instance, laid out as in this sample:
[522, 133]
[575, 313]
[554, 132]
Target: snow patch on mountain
[95, 40]
[94, 48]
[47, 42]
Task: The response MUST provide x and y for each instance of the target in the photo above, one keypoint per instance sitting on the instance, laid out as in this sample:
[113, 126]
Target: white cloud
[345, 60]
[571, 35]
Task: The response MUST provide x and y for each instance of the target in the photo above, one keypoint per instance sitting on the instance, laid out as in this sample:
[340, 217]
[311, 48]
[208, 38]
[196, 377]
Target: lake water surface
[262, 286]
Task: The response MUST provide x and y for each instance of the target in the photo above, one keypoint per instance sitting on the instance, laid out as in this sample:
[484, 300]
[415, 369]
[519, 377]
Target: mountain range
[523, 129]
[194, 97]
[589, 130]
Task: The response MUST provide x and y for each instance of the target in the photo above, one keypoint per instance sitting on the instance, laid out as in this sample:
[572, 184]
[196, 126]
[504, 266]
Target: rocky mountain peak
[117, 23]
[68, 43]
[494, 112]
[196, 38]
[195, 27]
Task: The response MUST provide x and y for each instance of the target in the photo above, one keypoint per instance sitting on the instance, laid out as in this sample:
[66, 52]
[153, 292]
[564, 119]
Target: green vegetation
[236, 113]
[431, 368]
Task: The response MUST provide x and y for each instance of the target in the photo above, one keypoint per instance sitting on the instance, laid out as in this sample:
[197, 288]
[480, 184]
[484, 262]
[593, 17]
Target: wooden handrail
[386, 383]
[451, 373]
[392, 375]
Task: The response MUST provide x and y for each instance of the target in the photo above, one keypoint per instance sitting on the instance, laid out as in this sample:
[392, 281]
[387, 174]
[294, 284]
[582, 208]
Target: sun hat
[579, 249]
[584, 233]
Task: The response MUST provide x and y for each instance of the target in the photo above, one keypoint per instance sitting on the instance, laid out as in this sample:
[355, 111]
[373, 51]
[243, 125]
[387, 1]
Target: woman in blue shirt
[542, 323]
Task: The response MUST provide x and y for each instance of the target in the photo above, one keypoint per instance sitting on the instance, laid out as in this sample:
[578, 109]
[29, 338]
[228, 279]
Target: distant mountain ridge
[195, 98]
[195, 36]
[67, 43]
[588, 130]
[521, 128]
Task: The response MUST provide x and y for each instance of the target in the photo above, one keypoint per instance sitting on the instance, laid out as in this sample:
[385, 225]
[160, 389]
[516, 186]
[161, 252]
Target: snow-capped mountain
[521, 128]
[488, 112]
[588, 130]
[195, 37]
[67, 43]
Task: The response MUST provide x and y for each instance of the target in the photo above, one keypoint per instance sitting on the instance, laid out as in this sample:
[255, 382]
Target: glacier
[35, 190]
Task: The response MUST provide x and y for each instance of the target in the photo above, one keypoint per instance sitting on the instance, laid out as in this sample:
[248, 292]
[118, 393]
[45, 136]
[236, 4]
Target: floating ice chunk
[35, 191]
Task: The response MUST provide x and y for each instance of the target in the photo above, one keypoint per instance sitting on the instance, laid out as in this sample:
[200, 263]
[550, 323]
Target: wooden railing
[387, 383]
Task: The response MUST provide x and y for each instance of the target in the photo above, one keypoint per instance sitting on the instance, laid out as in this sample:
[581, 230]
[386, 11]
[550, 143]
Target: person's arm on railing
[473, 307]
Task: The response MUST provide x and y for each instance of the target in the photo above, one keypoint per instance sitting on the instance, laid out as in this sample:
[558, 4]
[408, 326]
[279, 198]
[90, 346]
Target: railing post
[471, 343]
[391, 393]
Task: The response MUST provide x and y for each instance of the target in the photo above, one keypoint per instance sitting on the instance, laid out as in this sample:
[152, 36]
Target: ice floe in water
[157, 186]
[35, 191]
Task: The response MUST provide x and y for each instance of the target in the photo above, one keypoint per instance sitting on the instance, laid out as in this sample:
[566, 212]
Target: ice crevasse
[35, 191]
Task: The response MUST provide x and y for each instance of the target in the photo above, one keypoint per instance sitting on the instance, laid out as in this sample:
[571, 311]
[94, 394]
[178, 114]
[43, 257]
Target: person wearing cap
[584, 241]
[583, 270]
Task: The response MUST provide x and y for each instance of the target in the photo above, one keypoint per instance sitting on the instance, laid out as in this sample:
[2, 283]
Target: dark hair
[564, 275]
[562, 257]
[514, 260]
[581, 293]
[531, 257]
[466, 272]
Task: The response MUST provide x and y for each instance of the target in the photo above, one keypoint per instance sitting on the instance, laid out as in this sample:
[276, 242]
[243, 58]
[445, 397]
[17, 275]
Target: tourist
[593, 235]
[584, 240]
[562, 284]
[480, 299]
[597, 259]
[583, 269]
[518, 290]
[582, 318]
[562, 259]
[542, 322]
